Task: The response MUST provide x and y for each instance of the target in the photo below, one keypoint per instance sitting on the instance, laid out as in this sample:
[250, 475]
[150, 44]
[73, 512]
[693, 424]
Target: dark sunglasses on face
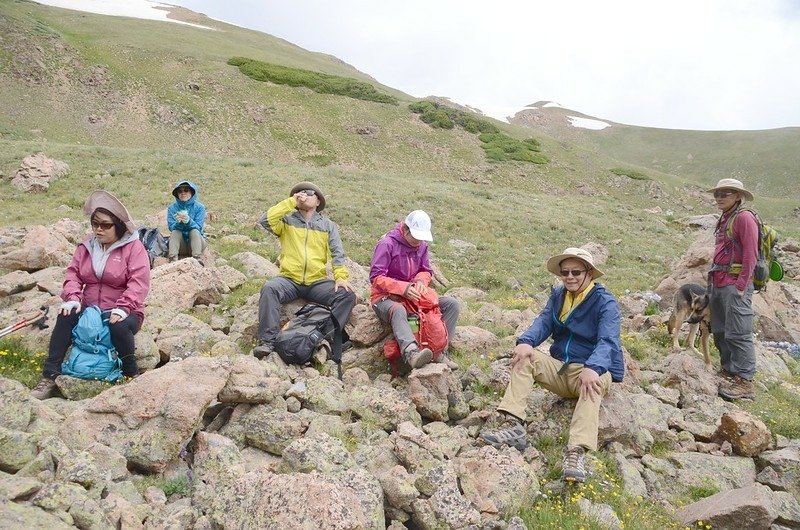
[310, 193]
[184, 190]
[103, 225]
[574, 272]
[722, 194]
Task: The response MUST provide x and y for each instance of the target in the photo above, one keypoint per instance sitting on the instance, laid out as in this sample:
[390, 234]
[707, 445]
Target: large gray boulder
[151, 418]
[436, 392]
[750, 507]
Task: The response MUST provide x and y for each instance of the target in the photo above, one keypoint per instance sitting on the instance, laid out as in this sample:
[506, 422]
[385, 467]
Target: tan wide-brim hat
[309, 186]
[103, 199]
[554, 263]
[732, 184]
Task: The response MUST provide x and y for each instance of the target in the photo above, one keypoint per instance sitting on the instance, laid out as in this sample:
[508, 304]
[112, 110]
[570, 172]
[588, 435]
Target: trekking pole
[37, 320]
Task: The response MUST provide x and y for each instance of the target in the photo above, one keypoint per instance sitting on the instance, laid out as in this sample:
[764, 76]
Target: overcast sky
[689, 64]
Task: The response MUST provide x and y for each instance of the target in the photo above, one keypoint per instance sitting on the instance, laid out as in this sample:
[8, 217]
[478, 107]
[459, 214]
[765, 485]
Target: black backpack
[155, 244]
[305, 333]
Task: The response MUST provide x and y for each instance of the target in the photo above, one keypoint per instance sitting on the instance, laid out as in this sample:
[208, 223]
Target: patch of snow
[586, 123]
[121, 8]
[552, 104]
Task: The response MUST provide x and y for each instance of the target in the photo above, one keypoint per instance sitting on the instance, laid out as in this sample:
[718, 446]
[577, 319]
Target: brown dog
[691, 305]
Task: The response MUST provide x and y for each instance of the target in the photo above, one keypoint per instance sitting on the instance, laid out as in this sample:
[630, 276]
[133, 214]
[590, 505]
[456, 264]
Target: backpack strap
[336, 347]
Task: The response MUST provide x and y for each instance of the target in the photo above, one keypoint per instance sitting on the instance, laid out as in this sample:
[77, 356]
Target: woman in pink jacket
[110, 270]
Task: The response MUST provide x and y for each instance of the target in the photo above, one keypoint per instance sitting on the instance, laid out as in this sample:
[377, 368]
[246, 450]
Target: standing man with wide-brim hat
[583, 318]
[731, 279]
[308, 242]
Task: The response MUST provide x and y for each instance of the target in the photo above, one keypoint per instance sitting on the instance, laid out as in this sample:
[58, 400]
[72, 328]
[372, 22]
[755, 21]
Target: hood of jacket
[189, 183]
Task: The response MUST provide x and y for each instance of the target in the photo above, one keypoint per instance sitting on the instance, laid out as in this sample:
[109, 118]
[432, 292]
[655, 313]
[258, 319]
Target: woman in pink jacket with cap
[110, 270]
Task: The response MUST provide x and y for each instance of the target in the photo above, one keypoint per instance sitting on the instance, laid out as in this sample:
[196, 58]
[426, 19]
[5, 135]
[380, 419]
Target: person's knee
[343, 296]
[120, 330]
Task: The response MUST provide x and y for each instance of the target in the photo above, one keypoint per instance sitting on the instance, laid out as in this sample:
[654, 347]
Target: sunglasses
[574, 272]
[310, 193]
[100, 224]
[184, 190]
[721, 194]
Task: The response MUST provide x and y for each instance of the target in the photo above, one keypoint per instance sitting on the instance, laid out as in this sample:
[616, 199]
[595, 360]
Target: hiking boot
[740, 388]
[511, 433]
[263, 349]
[417, 358]
[44, 389]
[725, 375]
[443, 358]
[573, 469]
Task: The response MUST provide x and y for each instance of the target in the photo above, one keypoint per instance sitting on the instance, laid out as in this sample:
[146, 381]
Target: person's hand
[114, 318]
[117, 315]
[740, 293]
[412, 292]
[67, 307]
[522, 352]
[421, 287]
[590, 384]
[344, 284]
[300, 198]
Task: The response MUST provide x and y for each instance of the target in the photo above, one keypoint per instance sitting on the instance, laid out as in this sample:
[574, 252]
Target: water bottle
[413, 323]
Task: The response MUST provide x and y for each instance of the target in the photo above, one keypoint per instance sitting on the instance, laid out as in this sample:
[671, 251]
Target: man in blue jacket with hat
[583, 318]
[186, 218]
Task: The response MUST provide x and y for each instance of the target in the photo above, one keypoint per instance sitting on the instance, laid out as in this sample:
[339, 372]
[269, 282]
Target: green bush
[316, 81]
[630, 173]
[498, 146]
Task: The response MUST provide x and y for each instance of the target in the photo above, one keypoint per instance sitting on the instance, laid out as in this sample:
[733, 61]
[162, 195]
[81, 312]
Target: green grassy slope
[112, 98]
[767, 160]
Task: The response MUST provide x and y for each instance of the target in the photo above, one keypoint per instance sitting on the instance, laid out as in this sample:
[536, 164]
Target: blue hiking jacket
[589, 336]
[196, 209]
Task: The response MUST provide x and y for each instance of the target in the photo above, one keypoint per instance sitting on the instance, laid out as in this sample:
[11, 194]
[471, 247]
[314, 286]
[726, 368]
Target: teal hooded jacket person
[185, 220]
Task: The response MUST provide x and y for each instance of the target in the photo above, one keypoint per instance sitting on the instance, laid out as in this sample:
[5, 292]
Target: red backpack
[432, 331]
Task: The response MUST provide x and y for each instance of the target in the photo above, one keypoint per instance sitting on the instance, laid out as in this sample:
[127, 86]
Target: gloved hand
[67, 307]
[182, 216]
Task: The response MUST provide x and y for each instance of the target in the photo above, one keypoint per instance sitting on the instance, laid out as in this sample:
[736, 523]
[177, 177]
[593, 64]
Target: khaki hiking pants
[544, 370]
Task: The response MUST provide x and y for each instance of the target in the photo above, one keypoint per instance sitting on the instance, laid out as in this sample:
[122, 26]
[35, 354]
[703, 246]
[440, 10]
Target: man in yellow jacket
[308, 242]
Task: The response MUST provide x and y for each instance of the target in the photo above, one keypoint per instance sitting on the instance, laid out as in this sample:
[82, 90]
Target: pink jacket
[741, 248]
[124, 284]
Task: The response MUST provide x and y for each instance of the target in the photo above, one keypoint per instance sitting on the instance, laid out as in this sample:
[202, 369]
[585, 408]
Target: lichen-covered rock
[437, 394]
[786, 463]
[383, 406]
[325, 395]
[749, 507]
[492, 479]
[150, 418]
[17, 448]
[398, 487]
[252, 381]
[76, 389]
[13, 515]
[318, 452]
[16, 410]
[15, 486]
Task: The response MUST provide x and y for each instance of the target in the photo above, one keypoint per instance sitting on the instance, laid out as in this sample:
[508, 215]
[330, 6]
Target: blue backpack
[93, 356]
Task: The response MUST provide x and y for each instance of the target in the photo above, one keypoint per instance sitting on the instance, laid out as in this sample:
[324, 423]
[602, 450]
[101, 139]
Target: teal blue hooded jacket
[196, 209]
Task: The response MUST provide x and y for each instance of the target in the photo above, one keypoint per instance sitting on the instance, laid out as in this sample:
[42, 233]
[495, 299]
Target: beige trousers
[544, 370]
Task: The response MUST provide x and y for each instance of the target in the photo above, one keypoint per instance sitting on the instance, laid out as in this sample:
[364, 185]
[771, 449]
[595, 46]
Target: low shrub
[498, 146]
[630, 173]
[316, 81]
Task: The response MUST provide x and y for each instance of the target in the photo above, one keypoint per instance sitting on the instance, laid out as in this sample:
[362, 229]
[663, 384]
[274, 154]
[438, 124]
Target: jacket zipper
[305, 255]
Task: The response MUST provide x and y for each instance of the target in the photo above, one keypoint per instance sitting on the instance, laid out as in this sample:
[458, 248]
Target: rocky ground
[263, 445]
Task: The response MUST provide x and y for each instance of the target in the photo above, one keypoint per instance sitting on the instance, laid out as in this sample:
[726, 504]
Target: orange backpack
[432, 331]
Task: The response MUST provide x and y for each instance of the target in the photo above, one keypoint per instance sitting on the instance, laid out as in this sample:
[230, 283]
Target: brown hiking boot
[573, 469]
[44, 389]
[740, 388]
[725, 375]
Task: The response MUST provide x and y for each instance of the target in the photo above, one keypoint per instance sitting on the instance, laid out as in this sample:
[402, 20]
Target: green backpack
[767, 267]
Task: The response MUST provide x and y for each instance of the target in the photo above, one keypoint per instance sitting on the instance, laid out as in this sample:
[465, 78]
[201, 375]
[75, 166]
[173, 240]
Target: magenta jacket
[124, 283]
[395, 264]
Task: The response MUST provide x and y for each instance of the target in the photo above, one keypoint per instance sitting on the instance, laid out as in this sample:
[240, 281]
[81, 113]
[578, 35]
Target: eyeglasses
[721, 194]
[310, 193]
[574, 272]
[184, 190]
[100, 224]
